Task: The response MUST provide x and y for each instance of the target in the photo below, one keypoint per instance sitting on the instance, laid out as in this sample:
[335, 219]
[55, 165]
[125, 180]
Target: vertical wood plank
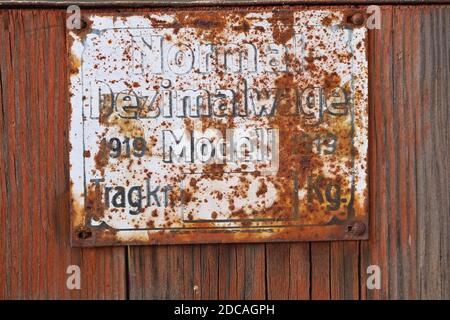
[288, 271]
[35, 251]
[403, 212]
[192, 267]
[278, 270]
[344, 270]
[232, 271]
[229, 271]
[174, 272]
[320, 271]
[375, 251]
[432, 153]
[164, 272]
[444, 138]
[210, 271]
[300, 271]
[242, 271]
[409, 143]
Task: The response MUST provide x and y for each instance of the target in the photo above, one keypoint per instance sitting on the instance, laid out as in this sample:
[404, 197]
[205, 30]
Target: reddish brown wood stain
[409, 173]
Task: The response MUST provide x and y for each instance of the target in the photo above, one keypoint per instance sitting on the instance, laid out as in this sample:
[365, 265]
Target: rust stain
[282, 22]
[102, 156]
[74, 63]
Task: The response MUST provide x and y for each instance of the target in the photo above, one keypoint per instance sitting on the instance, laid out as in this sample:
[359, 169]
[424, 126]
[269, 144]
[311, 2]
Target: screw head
[358, 19]
[357, 228]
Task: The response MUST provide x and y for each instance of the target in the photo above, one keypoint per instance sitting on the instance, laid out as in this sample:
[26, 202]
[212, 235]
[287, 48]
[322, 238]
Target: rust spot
[75, 64]
[282, 22]
[262, 189]
[102, 156]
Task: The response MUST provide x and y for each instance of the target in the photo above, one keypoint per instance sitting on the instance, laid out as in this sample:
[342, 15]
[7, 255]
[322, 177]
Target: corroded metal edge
[327, 233]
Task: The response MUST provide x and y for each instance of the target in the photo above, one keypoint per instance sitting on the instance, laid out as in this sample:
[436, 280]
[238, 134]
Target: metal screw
[357, 228]
[358, 19]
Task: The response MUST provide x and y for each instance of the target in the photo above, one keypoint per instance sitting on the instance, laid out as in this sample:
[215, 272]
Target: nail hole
[349, 19]
[84, 234]
[83, 24]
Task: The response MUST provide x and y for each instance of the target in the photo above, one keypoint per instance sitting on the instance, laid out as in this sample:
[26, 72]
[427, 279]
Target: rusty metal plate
[213, 125]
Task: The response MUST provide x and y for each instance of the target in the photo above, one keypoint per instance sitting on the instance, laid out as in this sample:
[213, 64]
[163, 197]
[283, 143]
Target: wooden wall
[409, 185]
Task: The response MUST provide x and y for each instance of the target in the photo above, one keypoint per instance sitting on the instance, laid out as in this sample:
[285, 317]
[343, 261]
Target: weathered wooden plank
[404, 215]
[320, 271]
[432, 153]
[174, 272]
[242, 271]
[192, 266]
[278, 270]
[380, 97]
[164, 276]
[300, 271]
[380, 102]
[344, 266]
[210, 270]
[34, 213]
[197, 272]
[409, 154]
[288, 270]
[444, 137]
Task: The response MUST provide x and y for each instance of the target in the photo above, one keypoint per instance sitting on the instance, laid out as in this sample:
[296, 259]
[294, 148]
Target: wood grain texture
[320, 271]
[288, 271]
[432, 154]
[409, 155]
[344, 266]
[242, 271]
[34, 177]
[198, 272]
[409, 70]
